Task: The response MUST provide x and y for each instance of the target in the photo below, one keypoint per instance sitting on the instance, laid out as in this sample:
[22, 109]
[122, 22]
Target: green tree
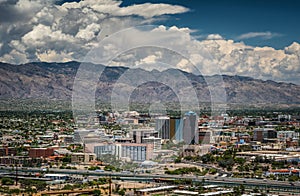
[96, 192]
[14, 191]
[213, 171]
[293, 178]
[240, 161]
[68, 187]
[40, 185]
[177, 160]
[7, 181]
[66, 159]
[237, 191]
[109, 168]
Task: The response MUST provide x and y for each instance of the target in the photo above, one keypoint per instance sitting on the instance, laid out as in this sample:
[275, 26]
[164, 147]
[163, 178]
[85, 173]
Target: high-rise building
[176, 129]
[162, 125]
[190, 128]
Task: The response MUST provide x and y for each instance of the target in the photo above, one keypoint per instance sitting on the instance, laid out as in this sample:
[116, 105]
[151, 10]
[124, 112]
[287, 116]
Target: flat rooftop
[185, 192]
[156, 189]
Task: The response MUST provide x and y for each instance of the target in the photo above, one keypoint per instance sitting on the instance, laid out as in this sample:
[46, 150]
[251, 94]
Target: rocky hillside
[53, 81]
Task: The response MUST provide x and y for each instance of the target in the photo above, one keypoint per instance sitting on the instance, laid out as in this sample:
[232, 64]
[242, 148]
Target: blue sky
[232, 18]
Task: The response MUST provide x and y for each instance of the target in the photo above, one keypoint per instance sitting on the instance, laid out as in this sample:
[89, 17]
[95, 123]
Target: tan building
[195, 150]
[81, 157]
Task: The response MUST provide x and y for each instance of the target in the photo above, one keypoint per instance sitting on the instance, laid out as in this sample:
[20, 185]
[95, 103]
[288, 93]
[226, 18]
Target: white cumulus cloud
[214, 37]
[211, 56]
[146, 10]
[264, 35]
[30, 29]
[52, 56]
[43, 31]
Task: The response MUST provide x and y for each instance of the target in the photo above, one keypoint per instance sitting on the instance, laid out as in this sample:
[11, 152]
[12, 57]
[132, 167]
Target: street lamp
[16, 166]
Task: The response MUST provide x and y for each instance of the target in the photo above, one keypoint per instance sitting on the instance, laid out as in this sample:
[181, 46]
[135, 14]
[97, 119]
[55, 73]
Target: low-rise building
[284, 172]
[136, 152]
[139, 134]
[8, 151]
[41, 152]
[264, 134]
[81, 157]
[20, 161]
[195, 150]
[153, 140]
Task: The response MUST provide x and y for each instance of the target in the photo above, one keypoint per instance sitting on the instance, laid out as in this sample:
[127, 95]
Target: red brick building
[40, 152]
[8, 151]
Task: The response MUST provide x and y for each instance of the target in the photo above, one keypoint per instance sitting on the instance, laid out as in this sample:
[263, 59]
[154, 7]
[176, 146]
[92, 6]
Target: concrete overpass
[207, 180]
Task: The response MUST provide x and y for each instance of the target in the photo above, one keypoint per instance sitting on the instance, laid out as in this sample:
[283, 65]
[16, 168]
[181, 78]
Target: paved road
[228, 181]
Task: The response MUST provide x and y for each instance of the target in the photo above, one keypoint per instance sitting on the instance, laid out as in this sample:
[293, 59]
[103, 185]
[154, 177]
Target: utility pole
[110, 185]
[84, 152]
[16, 165]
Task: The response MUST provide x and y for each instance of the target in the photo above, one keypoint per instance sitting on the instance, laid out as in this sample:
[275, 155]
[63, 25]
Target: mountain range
[54, 81]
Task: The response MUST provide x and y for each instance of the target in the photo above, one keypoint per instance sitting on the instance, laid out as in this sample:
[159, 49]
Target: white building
[153, 140]
[284, 135]
[136, 152]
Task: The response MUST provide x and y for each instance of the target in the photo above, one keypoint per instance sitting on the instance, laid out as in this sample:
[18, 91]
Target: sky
[256, 38]
[266, 22]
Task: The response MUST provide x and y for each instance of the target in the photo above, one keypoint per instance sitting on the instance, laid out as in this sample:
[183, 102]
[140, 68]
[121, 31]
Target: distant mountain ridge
[53, 81]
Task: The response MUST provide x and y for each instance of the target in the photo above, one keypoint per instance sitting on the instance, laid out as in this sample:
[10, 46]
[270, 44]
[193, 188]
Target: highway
[207, 180]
